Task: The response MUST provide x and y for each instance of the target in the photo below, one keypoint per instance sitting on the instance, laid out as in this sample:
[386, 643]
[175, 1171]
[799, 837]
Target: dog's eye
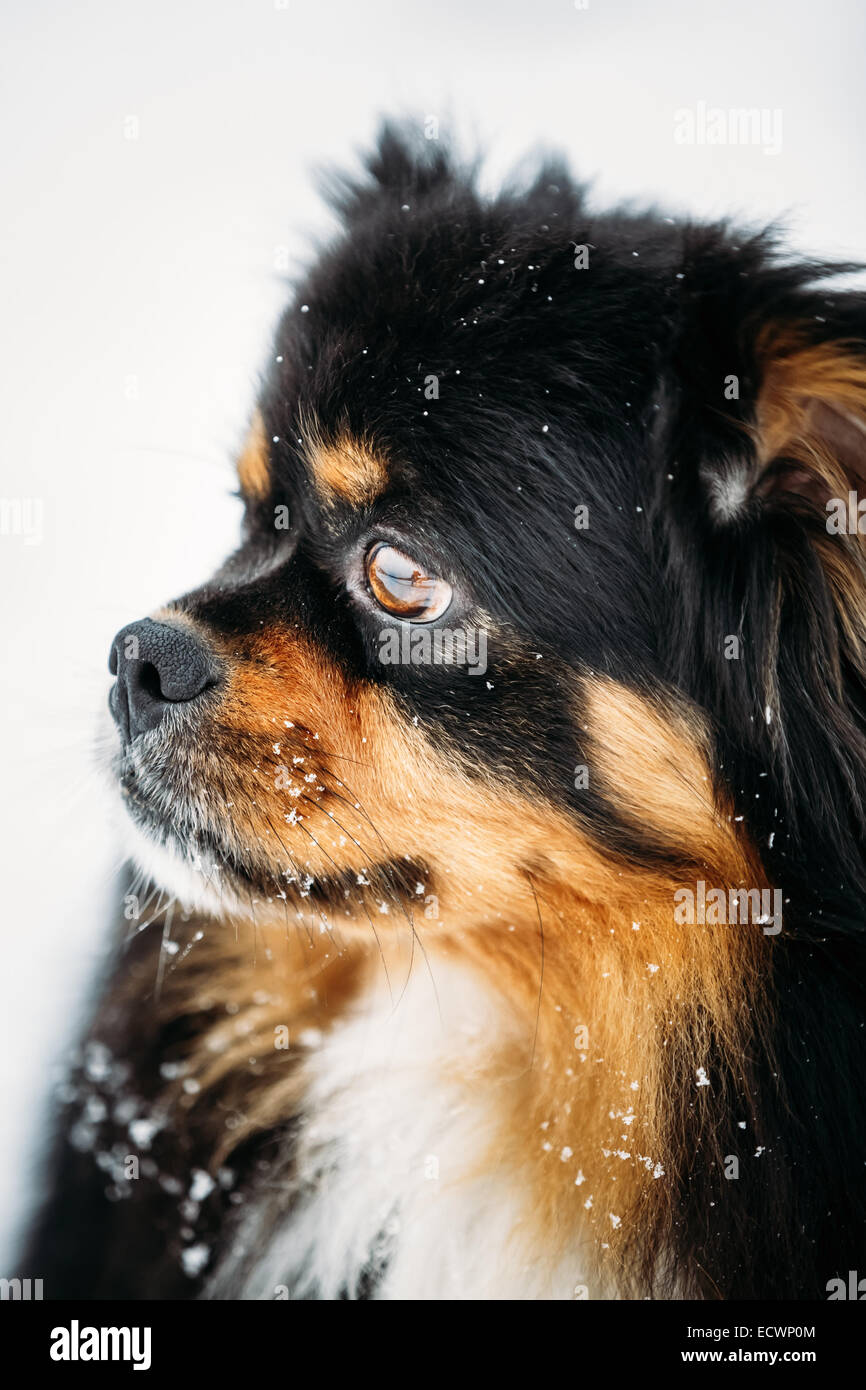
[402, 587]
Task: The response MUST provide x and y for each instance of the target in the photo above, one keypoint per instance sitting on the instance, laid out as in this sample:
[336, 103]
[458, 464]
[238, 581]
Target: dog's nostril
[157, 665]
[149, 680]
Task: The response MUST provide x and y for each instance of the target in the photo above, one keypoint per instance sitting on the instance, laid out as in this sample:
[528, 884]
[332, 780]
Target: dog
[498, 806]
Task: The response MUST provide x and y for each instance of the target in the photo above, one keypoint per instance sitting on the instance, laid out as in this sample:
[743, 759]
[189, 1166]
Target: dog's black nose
[156, 665]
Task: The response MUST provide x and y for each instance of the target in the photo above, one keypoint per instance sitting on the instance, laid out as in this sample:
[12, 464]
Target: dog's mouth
[218, 868]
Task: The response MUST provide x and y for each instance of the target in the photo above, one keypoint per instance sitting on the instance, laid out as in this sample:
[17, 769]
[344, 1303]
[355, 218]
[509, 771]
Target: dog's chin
[198, 882]
[197, 879]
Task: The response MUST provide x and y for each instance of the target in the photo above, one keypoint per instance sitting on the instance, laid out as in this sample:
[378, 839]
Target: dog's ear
[762, 425]
[809, 423]
[801, 477]
[763, 405]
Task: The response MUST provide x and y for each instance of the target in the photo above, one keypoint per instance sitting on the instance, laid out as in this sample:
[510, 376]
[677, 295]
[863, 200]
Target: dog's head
[536, 575]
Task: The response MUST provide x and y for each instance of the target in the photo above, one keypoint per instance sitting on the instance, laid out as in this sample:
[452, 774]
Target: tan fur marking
[254, 464]
[347, 468]
[653, 761]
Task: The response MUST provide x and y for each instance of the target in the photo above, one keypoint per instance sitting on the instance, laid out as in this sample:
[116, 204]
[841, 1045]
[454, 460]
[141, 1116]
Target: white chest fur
[394, 1159]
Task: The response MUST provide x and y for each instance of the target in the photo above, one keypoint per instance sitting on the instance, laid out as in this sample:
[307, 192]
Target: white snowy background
[139, 283]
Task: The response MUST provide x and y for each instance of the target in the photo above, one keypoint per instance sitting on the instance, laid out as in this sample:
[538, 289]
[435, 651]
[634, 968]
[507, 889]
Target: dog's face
[503, 511]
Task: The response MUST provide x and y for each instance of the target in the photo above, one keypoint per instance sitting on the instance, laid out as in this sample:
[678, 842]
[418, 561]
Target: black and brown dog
[540, 629]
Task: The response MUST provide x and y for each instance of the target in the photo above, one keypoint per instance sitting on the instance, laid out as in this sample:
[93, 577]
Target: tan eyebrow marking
[346, 467]
[254, 472]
